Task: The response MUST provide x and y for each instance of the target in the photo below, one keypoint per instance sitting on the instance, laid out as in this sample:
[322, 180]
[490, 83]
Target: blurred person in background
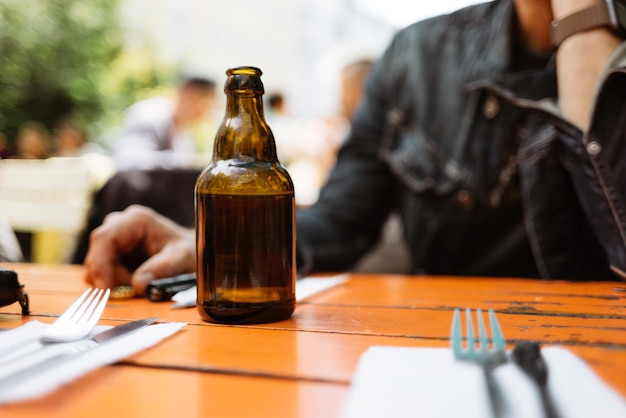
[70, 140]
[275, 105]
[352, 82]
[6, 151]
[287, 130]
[301, 147]
[156, 132]
[353, 76]
[308, 147]
[32, 141]
[503, 153]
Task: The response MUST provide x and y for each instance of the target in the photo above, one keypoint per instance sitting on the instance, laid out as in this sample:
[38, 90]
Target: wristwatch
[609, 13]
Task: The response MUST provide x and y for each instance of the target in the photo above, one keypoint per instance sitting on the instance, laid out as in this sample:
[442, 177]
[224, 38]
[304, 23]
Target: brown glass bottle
[245, 215]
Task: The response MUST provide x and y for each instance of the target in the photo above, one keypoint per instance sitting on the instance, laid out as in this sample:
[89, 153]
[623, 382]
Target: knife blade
[123, 329]
[50, 355]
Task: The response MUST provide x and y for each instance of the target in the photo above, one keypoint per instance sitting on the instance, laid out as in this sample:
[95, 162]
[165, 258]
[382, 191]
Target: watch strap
[588, 18]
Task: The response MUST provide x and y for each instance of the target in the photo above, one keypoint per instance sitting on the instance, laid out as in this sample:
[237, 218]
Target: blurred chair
[10, 250]
[169, 192]
[49, 199]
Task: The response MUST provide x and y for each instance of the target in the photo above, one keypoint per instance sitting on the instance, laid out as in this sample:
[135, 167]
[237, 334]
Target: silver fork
[75, 323]
[487, 358]
[79, 319]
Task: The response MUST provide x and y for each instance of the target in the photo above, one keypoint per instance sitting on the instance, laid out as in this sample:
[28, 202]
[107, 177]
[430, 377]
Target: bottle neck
[244, 133]
[240, 104]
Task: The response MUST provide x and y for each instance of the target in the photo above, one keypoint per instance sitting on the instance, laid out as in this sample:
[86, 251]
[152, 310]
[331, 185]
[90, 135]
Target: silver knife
[53, 354]
[123, 329]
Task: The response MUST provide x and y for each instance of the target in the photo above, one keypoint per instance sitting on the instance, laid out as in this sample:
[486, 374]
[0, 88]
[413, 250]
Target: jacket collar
[496, 31]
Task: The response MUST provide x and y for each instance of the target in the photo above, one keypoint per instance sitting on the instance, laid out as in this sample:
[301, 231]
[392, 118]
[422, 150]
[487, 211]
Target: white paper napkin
[312, 285]
[428, 382]
[23, 339]
[305, 287]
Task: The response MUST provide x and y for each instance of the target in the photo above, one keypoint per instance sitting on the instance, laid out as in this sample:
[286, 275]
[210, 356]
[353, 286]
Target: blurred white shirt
[149, 140]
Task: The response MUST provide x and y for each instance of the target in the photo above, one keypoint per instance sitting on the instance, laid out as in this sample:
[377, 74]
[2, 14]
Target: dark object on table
[527, 355]
[11, 290]
[161, 290]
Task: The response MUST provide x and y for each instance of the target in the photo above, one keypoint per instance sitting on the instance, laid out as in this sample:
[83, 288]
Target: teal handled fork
[487, 357]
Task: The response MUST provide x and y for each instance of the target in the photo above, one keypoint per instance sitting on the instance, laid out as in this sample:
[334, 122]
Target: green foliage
[66, 57]
[134, 75]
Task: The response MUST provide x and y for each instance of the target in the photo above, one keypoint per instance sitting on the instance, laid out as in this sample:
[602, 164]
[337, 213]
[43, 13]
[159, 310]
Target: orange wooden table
[302, 367]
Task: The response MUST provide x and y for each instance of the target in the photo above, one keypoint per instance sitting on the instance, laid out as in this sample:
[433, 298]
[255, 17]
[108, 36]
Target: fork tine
[471, 341]
[480, 350]
[455, 334]
[487, 358]
[482, 332]
[99, 307]
[83, 316]
[496, 334]
[85, 308]
[69, 312]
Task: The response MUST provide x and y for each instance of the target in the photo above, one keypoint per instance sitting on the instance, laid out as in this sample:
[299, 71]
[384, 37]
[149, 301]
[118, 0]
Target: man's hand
[167, 249]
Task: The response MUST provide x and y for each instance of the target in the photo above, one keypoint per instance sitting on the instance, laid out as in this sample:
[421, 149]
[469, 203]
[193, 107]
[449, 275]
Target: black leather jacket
[471, 151]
